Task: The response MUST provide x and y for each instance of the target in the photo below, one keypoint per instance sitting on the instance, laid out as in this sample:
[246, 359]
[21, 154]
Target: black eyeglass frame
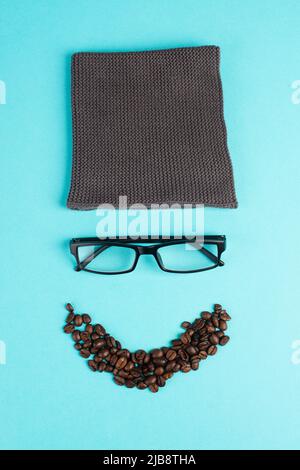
[152, 249]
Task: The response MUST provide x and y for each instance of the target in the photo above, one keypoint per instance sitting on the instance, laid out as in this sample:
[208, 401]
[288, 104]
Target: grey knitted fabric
[149, 125]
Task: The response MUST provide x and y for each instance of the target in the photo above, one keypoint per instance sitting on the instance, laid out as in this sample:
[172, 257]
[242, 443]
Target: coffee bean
[205, 315]
[183, 354]
[84, 336]
[170, 366]
[99, 343]
[212, 350]
[168, 375]
[89, 329]
[185, 324]
[69, 329]
[121, 362]
[77, 346]
[176, 368]
[99, 330]
[85, 353]
[176, 342]
[119, 380]
[202, 355]
[161, 361]
[156, 353]
[69, 307]
[150, 380]
[224, 316]
[161, 382]
[191, 350]
[224, 340]
[92, 365]
[103, 353]
[186, 368]
[129, 384]
[185, 338]
[215, 321]
[159, 371]
[111, 342]
[171, 354]
[101, 366]
[153, 388]
[214, 339]
[78, 320]
[70, 317]
[223, 325]
[195, 365]
[217, 307]
[141, 386]
[86, 318]
[76, 336]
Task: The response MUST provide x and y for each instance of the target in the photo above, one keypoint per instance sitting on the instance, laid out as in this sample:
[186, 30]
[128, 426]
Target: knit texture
[149, 126]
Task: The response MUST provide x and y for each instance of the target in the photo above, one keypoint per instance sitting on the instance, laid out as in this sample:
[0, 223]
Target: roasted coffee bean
[99, 330]
[119, 380]
[219, 334]
[89, 329]
[170, 366]
[185, 324]
[129, 366]
[156, 353]
[76, 336]
[185, 338]
[85, 353]
[217, 307]
[223, 325]
[121, 362]
[195, 365]
[139, 356]
[69, 329]
[212, 350]
[191, 350]
[160, 361]
[94, 336]
[77, 346]
[171, 354]
[84, 336]
[161, 382]
[224, 340]
[129, 384]
[103, 353]
[101, 366]
[215, 321]
[176, 342]
[176, 368]
[78, 320]
[113, 359]
[213, 339]
[70, 317]
[99, 343]
[210, 329]
[92, 365]
[205, 315]
[87, 344]
[186, 368]
[86, 318]
[69, 307]
[202, 355]
[168, 375]
[153, 388]
[141, 386]
[224, 316]
[136, 372]
[147, 358]
[111, 342]
[183, 354]
[159, 371]
[109, 368]
[151, 379]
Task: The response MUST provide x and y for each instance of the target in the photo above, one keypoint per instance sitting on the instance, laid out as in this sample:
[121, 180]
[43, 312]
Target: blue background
[248, 395]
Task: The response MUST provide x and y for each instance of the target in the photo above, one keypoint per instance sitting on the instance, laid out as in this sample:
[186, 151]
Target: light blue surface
[248, 395]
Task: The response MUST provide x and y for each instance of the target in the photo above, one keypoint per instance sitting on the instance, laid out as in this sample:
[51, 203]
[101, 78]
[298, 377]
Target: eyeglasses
[120, 256]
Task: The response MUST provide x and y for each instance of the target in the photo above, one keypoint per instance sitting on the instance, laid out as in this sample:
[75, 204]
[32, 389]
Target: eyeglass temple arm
[88, 259]
[211, 256]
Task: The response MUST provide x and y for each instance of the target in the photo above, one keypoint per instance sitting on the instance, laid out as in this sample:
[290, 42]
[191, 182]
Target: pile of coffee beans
[152, 369]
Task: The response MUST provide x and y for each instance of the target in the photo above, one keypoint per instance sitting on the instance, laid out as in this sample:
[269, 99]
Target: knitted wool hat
[149, 126]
